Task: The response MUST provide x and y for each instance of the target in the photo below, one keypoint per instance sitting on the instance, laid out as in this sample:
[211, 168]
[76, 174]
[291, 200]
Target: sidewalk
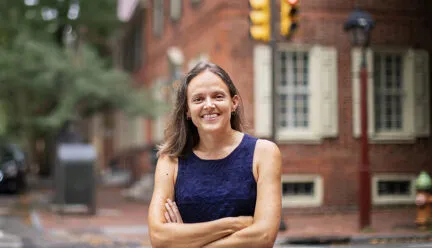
[120, 219]
[117, 219]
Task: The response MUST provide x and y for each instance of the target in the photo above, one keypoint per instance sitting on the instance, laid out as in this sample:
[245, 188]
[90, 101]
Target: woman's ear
[236, 102]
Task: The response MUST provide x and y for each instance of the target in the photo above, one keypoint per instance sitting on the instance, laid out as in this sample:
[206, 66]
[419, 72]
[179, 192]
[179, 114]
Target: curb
[314, 240]
[400, 238]
[355, 240]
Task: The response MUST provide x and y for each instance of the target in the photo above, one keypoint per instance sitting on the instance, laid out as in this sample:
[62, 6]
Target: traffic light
[259, 19]
[289, 17]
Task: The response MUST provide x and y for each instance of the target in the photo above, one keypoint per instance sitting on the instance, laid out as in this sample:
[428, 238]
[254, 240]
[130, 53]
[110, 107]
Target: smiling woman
[215, 186]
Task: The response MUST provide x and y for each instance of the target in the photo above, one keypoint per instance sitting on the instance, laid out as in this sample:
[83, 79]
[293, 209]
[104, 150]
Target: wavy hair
[181, 135]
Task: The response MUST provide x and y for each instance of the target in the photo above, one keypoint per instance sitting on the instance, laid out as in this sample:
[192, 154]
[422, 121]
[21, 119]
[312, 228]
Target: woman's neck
[215, 143]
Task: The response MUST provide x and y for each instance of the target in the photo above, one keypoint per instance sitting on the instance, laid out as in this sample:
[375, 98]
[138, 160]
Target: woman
[215, 186]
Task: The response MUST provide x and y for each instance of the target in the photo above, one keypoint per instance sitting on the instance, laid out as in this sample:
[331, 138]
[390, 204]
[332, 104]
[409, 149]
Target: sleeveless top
[207, 190]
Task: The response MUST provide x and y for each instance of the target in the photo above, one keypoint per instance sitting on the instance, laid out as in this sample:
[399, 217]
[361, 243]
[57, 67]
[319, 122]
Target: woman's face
[209, 102]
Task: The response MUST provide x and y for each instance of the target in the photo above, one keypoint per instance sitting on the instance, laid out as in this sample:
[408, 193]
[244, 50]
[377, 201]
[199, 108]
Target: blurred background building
[318, 117]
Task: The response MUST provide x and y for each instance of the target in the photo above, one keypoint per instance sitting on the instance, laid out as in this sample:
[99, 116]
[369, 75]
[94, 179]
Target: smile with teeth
[209, 116]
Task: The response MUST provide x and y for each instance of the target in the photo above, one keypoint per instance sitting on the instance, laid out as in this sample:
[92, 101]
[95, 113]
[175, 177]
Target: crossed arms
[244, 231]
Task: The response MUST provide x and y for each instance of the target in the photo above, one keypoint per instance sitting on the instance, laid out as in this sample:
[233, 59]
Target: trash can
[75, 176]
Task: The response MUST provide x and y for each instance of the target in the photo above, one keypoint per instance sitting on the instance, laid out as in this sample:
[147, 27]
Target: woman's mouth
[209, 117]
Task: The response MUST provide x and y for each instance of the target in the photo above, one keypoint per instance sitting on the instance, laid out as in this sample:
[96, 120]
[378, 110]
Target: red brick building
[317, 84]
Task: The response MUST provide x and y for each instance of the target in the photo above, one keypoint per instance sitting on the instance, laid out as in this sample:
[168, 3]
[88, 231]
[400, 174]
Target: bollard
[423, 200]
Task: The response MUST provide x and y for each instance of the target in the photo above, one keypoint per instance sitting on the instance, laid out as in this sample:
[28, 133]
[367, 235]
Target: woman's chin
[211, 127]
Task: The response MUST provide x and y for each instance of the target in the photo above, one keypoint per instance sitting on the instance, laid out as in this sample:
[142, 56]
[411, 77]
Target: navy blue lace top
[207, 190]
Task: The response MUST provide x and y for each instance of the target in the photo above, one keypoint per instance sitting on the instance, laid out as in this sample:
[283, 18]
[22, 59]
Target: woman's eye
[219, 97]
[196, 99]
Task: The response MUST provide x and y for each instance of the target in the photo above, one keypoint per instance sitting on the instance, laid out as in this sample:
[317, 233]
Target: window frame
[298, 135]
[407, 133]
[393, 200]
[384, 90]
[406, 95]
[314, 200]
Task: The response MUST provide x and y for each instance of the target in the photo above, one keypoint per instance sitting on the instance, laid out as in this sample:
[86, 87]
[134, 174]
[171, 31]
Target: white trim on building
[415, 109]
[320, 93]
[303, 200]
[385, 199]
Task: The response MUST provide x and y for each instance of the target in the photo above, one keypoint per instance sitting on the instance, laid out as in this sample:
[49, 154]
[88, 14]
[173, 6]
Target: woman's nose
[208, 103]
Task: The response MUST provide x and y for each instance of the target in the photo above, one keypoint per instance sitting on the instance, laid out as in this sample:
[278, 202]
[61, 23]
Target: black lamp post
[359, 25]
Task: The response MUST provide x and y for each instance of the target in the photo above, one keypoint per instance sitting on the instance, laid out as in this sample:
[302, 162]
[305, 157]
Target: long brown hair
[181, 135]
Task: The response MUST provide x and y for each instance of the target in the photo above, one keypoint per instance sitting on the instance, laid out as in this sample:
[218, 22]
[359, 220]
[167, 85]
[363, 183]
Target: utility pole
[262, 19]
[273, 47]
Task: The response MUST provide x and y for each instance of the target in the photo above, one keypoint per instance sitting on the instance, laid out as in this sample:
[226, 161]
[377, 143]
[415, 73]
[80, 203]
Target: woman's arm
[163, 234]
[263, 231]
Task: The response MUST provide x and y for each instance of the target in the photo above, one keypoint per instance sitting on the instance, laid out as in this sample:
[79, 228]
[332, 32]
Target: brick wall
[220, 29]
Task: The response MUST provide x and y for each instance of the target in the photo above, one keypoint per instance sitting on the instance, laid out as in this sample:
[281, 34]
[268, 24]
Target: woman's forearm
[252, 236]
[194, 235]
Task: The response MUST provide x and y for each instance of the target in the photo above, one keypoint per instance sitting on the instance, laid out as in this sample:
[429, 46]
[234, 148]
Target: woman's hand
[172, 214]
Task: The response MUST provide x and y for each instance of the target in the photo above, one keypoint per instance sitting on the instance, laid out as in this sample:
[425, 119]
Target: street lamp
[359, 24]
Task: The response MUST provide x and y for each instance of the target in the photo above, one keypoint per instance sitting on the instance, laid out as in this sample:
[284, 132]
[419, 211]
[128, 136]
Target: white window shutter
[262, 91]
[315, 91]
[408, 94]
[175, 9]
[422, 93]
[328, 107]
[355, 75]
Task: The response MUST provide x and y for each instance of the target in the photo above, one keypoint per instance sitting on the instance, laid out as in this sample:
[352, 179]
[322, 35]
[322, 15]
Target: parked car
[13, 168]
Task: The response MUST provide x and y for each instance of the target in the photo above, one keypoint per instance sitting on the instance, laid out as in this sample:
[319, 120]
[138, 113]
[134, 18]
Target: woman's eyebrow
[196, 95]
[219, 92]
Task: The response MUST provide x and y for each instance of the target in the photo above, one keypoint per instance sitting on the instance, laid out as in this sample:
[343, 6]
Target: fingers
[176, 211]
[172, 215]
[167, 218]
[170, 212]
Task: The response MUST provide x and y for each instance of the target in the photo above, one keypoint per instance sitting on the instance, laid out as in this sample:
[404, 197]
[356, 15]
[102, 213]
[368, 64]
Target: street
[419, 245]
[17, 232]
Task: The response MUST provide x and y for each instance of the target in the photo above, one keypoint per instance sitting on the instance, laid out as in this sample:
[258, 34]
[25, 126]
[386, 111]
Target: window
[302, 191]
[133, 43]
[398, 94]
[388, 89]
[393, 188]
[293, 90]
[158, 17]
[175, 9]
[298, 188]
[389, 188]
[306, 88]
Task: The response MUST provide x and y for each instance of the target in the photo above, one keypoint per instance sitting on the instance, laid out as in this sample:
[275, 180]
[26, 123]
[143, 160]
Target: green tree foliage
[44, 81]
[42, 85]
[47, 19]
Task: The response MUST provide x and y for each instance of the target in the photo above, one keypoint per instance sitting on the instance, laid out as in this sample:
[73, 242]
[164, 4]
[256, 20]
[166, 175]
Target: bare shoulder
[268, 158]
[166, 162]
[267, 148]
